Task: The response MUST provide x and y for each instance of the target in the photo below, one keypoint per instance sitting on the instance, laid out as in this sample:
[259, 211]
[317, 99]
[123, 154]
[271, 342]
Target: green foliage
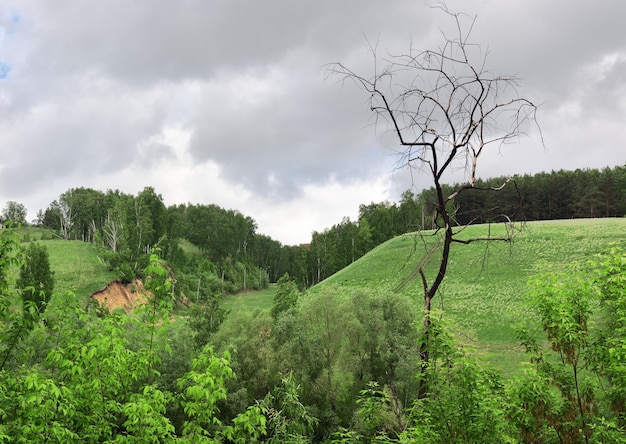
[200, 286]
[550, 195]
[92, 387]
[347, 348]
[40, 406]
[575, 393]
[247, 335]
[609, 346]
[205, 319]
[11, 255]
[375, 415]
[36, 278]
[14, 212]
[85, 377]
[116, 263]
[286, 296]
[334, 342]
[145, 418]
[482, 294]
[562, 303]
[323, 319]
[533, 406]
[207, 313]
[465, 398]
[201, 390]
[288, 419]
[13, 326]
[132, 225]
[239, 276]
[96, 380]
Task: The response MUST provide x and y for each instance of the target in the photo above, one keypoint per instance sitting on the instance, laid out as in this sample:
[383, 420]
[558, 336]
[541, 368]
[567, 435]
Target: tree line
[130, 226]
[559, 194]
[583, 193]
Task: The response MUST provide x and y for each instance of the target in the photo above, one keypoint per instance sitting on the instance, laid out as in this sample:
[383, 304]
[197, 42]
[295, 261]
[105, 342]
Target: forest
[129, 226]
[326, 363]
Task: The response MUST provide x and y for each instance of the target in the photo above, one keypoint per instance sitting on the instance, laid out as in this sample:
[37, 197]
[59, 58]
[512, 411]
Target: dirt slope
[117, 294]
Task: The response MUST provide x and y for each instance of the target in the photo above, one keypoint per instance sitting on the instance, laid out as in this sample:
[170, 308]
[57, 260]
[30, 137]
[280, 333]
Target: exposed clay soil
[118, 294]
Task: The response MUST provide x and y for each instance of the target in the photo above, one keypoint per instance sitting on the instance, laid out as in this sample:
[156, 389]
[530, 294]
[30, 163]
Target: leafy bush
[36, 278]
[575, 391]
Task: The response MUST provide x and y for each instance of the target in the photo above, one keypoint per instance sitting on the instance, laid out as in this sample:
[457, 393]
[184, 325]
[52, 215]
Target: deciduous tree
[36, 278]
[14, 212]
[286, 296]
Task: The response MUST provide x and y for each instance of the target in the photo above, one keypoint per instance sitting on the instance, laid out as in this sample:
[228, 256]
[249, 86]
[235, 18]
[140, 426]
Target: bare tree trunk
[65, 218]
[112, 232]
[444, 106]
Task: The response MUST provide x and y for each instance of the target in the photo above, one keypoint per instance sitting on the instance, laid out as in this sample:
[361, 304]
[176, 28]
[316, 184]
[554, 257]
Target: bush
[36, 278]
[116, 262]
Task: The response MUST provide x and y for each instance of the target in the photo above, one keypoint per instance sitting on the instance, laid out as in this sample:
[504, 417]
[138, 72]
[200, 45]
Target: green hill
[484, 292]
[75, 264]
[76, 267]
[483, 295]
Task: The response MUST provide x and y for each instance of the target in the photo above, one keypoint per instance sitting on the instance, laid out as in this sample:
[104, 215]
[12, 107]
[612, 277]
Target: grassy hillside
[485, 289]
[76, 267]
[249, 301]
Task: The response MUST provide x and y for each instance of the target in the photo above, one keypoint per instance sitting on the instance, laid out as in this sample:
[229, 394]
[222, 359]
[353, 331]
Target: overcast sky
[227, 101]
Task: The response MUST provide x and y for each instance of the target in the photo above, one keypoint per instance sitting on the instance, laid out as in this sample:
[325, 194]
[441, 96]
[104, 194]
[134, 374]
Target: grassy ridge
[76, 267]
[485, 289]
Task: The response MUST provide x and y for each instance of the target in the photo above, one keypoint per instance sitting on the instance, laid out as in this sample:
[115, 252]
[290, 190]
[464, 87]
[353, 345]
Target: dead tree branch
[444, 107]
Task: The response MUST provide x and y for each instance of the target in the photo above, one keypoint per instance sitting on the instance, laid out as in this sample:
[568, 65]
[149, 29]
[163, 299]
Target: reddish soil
[117, 294]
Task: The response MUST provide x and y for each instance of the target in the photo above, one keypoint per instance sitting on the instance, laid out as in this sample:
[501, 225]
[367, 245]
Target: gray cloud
[282, 123]
[94, 86]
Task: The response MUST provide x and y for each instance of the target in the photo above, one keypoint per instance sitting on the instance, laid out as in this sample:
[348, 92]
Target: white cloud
[320, 207]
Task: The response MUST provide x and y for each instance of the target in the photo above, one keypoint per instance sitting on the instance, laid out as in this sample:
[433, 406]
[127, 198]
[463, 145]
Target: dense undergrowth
[338, 363]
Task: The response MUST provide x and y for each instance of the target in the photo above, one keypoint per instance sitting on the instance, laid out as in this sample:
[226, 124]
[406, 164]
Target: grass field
[75, 264]
[76, 267]
[485, 289]
[261, 300]
[189, 248]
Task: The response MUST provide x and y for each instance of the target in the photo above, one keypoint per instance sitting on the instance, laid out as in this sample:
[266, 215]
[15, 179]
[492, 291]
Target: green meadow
[76, 267]
[486, 286]
[251, 300]
[485, 292]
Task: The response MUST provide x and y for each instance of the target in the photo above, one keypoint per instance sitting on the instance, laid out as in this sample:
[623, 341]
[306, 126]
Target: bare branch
[481, 238]
[472, 187]
[444, 105]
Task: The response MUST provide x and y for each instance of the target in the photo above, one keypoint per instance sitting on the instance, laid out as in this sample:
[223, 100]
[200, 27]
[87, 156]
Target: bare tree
[444, 107]
[66, 219]
[112, 230]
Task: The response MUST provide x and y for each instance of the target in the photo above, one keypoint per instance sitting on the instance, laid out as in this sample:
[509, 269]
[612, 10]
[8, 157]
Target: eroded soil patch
[120, 295]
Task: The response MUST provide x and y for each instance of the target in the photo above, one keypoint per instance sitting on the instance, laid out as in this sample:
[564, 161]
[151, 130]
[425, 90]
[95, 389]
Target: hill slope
[484, 292]
[76, 267]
